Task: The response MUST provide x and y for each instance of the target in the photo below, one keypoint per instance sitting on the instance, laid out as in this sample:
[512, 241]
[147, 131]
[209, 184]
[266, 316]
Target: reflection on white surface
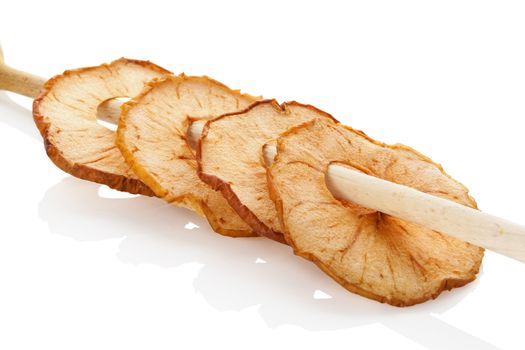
[18, 117]
[319, 294]
[106, 192]
[287, 289]
[190, 226]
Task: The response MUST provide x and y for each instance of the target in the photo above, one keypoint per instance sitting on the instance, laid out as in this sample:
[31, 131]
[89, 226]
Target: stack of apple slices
[222, 173]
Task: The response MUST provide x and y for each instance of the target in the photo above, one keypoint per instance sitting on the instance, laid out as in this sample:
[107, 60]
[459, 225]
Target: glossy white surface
[84, 267]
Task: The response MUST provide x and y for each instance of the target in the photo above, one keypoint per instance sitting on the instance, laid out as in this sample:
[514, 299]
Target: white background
[84, 267]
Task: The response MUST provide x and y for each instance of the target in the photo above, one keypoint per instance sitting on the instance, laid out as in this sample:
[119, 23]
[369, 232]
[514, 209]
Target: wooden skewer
[17, 81]
[436, 213]
[30, 85]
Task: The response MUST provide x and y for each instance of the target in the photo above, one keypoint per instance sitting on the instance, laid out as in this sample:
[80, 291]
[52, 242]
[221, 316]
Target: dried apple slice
[65, 112]
[231, 159]
[375, 255]
[152, 136]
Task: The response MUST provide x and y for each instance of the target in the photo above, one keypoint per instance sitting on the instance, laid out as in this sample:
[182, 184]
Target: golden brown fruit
[369, 253]
[65, 112]
[230, 155]
[152, 136]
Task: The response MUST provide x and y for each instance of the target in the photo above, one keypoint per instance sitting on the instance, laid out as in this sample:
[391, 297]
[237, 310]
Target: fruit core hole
[108, 112]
